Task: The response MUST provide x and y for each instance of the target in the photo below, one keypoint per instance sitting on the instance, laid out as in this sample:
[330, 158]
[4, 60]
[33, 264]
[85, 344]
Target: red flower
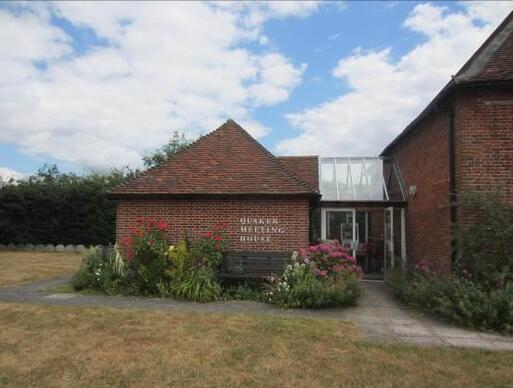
[162, 226]
[218, 238]
[207, 234]
[137, 232]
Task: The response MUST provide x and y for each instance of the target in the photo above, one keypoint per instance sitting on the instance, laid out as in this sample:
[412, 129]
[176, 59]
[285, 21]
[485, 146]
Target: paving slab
[470, 343]
[411, 330]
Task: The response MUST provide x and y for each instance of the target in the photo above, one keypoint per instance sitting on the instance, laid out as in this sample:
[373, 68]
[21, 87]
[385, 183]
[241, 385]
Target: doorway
[374, 235]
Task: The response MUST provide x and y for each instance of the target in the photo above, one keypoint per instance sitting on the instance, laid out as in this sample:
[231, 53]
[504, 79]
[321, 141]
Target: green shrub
[323, 276]
[458, 299]
[152, 267]
[243, 291]
[197, 284]
[179, 257]
[149, 268]
[99, 272]
[210, 248]
[485, 245]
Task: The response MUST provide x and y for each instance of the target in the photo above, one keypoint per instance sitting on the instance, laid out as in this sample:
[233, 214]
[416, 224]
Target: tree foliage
[486, 242]
[177, 142]
[51, 207]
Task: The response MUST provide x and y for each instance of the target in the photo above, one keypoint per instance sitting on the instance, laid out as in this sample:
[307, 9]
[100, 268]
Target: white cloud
[6, 174]
[386, 94]
[165, 67]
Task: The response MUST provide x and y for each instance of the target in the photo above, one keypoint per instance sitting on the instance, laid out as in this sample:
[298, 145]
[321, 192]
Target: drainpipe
[452, 187]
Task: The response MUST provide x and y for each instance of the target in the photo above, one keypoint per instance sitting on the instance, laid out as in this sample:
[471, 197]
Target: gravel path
[379, 316]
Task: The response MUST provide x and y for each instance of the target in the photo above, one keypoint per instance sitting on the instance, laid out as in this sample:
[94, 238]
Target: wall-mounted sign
[259, 230]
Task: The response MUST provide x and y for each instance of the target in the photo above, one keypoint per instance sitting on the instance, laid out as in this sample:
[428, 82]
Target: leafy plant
[243, 291]
[322, 276]
[159, 156]
[457, 298]
[211, 247]
[486, 241]
[98, 272]
[197, 284]
[51, 207]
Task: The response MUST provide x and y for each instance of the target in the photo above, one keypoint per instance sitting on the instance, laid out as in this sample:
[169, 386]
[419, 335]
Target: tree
[177, 142]
[51, 207]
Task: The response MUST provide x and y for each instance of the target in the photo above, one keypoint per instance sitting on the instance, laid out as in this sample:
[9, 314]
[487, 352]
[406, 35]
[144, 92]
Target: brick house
[273, 205]
[462, 141]
[226, 176]
[389, 210]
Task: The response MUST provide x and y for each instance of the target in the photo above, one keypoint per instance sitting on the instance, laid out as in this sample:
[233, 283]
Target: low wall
[52, 248]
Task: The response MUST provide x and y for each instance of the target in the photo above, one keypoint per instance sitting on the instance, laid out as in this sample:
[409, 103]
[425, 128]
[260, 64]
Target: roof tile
[225, 161]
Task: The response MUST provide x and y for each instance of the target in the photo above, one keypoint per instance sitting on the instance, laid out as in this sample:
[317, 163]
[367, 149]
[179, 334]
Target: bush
[244, 291]
[486, 244]
[151, 267]
[458, 299]
[323, 276]
[100, 272]
[51, 207]
[198, 284]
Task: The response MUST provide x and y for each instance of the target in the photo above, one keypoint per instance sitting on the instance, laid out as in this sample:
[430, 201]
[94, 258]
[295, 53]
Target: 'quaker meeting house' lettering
[259, 230]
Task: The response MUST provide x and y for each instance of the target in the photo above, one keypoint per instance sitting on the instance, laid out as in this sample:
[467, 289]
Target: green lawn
[73, 346]
[25, 267]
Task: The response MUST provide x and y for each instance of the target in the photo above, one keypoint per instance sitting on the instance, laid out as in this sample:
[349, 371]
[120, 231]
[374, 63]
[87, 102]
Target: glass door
[389, 238]
[340, 224]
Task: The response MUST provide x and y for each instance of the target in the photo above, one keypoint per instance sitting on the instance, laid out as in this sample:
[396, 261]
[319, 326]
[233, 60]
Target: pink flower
[336, 254]
[313, 248]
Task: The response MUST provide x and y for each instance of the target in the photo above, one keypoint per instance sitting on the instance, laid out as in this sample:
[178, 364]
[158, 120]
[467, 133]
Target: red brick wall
[423, 159]
[484, 141]
[282, 223]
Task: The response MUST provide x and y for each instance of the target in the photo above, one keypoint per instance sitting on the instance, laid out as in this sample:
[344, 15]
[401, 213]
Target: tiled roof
[304, 167]
[491, 63]
[225, 161]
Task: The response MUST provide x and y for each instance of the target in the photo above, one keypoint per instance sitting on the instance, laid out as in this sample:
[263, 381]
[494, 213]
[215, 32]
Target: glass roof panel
[359, 179]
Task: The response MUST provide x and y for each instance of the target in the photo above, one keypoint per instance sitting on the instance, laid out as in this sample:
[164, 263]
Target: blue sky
[98, 85]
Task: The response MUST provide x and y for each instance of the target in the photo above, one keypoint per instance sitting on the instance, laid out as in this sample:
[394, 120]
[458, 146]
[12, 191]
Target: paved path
[380, 317]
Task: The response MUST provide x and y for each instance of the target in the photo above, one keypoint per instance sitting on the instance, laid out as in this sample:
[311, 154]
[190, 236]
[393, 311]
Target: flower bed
[153, 267]
[456, 297]
[324, 275]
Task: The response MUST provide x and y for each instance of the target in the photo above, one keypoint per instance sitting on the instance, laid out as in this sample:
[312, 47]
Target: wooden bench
[252, 266]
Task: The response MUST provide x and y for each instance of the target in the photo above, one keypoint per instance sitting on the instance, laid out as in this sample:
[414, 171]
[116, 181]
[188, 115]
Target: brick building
[387, 210]
[461, 142]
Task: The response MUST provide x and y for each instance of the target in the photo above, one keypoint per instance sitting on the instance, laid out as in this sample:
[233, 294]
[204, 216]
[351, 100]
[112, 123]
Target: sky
[96, 85]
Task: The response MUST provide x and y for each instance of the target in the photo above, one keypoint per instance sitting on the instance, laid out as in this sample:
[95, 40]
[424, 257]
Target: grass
[72, 346]
[25, 267]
